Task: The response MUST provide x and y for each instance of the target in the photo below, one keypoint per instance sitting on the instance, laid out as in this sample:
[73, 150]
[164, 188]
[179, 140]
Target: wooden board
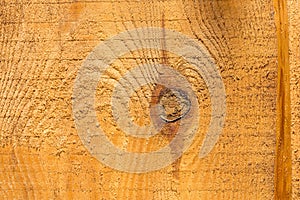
[45, 43]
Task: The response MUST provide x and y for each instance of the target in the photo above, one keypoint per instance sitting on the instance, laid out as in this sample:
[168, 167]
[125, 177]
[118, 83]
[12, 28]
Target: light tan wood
[294, 43]
[43, 45]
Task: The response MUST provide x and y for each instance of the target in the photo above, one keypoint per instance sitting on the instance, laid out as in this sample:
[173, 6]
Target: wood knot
[174, 104]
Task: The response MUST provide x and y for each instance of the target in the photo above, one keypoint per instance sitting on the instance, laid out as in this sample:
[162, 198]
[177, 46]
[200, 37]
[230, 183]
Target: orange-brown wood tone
[45, 43]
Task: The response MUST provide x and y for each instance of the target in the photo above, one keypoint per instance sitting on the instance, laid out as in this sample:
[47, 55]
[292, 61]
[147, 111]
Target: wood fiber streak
[294, 44]
[43, 45]
[283, 140]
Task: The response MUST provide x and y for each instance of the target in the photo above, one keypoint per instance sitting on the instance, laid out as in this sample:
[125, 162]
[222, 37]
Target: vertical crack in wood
[283, 163]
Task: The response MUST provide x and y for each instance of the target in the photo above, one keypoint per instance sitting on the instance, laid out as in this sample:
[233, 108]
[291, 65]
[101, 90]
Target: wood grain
[283, 170]
[43, 45]
[294, 45]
